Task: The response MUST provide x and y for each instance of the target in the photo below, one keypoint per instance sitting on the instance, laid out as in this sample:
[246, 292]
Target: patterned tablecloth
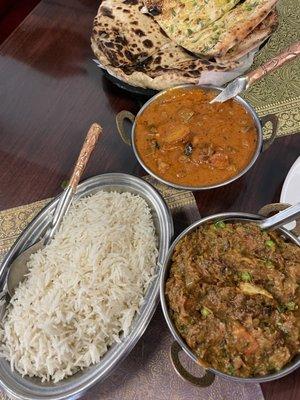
[279, 93]
[147, 373]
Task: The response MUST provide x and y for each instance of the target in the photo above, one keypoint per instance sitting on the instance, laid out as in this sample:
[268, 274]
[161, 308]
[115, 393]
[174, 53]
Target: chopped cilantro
[281, 308]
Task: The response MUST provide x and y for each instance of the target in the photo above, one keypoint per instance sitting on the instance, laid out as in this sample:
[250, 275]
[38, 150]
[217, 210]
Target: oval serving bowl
[180, 344]
[262, 145]
[19, 387]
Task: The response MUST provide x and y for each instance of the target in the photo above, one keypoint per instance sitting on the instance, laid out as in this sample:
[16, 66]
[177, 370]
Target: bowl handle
[274, 121]
[273, 208]
[120, 119]
[203, 381]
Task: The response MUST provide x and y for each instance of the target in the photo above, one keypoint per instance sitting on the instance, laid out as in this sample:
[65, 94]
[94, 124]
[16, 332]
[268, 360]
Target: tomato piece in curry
[187, 141]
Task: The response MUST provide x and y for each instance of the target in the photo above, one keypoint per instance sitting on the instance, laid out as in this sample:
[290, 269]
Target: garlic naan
[179, 18]
[253, 40]
[219, 28]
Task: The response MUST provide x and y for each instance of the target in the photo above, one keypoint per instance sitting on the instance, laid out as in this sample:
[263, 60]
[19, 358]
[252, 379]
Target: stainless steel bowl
[19, 387]
[262, 145]
[180, 344]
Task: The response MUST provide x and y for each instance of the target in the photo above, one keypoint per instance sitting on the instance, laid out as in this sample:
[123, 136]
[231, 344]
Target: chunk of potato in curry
[185, 140]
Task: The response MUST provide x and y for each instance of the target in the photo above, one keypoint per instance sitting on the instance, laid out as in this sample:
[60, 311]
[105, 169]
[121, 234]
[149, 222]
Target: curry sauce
[187, 141]
[233, 293]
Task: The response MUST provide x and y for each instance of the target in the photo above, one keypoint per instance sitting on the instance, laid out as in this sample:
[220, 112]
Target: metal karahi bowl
[262, 145]
[19, 387]
[180, 345]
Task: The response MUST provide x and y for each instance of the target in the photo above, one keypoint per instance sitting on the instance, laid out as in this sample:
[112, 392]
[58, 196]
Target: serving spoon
[281, 218]
[18, 268]
[242, 83]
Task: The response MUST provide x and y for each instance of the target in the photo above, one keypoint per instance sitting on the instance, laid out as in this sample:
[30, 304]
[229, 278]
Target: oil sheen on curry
[187, 141]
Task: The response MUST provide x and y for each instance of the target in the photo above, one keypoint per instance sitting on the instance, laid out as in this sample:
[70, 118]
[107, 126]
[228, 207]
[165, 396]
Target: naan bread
[233, 27]
[119, 41]
[122, 41]
[171, 66]
[253, 40]
[185, 18]
[141, 79]
[174, 58]
[219, 36]
[125, 35]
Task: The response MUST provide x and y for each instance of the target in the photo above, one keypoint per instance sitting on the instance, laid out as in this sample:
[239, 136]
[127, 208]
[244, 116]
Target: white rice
[83, 289]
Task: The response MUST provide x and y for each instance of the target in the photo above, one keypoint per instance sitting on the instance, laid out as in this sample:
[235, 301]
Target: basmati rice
[83, 289]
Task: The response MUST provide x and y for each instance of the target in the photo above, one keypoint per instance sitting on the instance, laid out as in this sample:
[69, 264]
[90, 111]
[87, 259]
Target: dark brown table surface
[51, 91]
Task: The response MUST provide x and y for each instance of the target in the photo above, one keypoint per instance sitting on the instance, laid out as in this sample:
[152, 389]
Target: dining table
[51, 91]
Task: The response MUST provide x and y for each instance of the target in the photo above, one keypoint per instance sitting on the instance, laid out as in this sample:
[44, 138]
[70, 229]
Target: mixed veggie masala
[185, 140]
[233, 294]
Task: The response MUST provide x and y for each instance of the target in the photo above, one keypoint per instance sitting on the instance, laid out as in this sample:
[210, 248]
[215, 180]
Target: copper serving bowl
[129, 137]
[179, 344]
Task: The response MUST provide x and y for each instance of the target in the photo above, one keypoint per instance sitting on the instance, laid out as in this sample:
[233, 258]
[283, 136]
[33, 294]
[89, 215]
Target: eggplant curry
[187, 141]
[233, 293]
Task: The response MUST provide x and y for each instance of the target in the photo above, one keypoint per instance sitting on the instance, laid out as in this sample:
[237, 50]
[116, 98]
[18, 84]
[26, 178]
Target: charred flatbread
[171, 66]
[114, 41]
[125, 35]
[119, 42]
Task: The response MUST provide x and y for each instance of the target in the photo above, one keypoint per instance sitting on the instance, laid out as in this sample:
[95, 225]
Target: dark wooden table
[12, 13]
[51, 91]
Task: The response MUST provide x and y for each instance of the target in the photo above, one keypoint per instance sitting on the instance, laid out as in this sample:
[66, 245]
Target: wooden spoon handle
[87, 149]
[288, 55]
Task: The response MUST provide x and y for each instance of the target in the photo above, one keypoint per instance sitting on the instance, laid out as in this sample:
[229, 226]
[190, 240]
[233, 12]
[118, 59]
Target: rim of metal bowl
[74, 386]
[237, 216]
[240, 100]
